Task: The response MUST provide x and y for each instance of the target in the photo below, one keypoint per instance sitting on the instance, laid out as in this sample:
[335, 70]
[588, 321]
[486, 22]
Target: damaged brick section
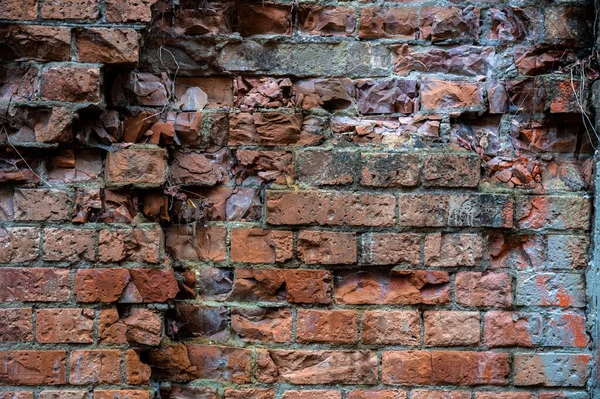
[297, 199]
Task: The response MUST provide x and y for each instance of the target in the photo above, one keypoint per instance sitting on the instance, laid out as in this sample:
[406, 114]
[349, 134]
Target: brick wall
[295, 199]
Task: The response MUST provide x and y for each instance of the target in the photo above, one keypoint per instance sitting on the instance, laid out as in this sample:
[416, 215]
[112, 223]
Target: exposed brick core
[302, 199]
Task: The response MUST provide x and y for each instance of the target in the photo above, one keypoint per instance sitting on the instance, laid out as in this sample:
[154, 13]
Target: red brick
[111, 330]
[265, 128]
[442, 23]
[137, 166]
[69, 9]
[390, 170]
[42, 43]
[42, 205]
[391, 248]
[377, 22]
[439, 95]
[326, 247]
[326, 208]
[129, 10]
[450, 328]
[200, 168]
[95, 367]
[265, 18]
[69, 244]
[71, 84]
[317, 367]
[420, 394]
[19, 244]
[318, 394]
[508, 329]
[445, 367]
[154, 285]
[221, 363]
[121, 394]
[16, 395]
[461, 60]
[554, 212]
[317, 20]
[252, 393]
[303, 286]
[326, 168]
[136, 372]
[19, 10]
[33, 367]
[457, 210]
[391, 327]
[483, 289]
[16, 325]
[144, 326]
[260, 246]
[451, 170]
[327, 326]
[71, 394]
[262, 324]
[376, 394]
[134, 245]
[100, 285]
[189, 321]
[398, 287]
[108, 46]
[504, 395]
[551, 369]
[276, 166]
[449, 250]
[201, 243]
[34, 285]
[64, 325]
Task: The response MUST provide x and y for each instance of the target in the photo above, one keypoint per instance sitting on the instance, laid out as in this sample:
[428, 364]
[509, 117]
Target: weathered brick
[567, 252]
[397, 287]
[33, 367]
[316, 394]
[276, 166]
[189, 321]
[34, 285]
[327, 326]
[144, 326]
[379, 22]
[326, 168]
[391, 248]
[326, 247]
[63, 394]
[64, 325]
[550, 289]
[152, 285]
[376, 394]
[552, 369]
[221, 363]
[462, 60]
[69, 245]
[260, 246]
[42, 205]
[95, 367]
[317, 20]
[554, 212]
[483, 289]
[456, 210]
[265, 128]
[448, 250]
[252, 393]
[445, 367]
[389, 170]
[421, 394]
[195, 168]
[439, 95]
[450, 328]
[16, 395]
[19, 244]
[504, 395]
[19, 10]
[135, 245]
[442, 23]
[200, 243]
[108, 45]
[71, 84]
[121, 394]
[136, 372]
[136, 166]
[451, 170]
[100, 285]
[391, 327]
[326, 208]
[129, 10]
[16, 325]
[37, 42]
[262, 324]
[69, 9]
[317, 367]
